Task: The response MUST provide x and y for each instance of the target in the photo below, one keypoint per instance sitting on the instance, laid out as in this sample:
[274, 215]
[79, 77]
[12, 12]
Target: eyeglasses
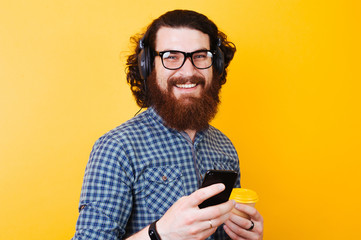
[172, 60]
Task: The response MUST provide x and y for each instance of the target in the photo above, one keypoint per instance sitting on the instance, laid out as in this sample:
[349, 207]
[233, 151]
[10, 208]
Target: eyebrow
[170, 50]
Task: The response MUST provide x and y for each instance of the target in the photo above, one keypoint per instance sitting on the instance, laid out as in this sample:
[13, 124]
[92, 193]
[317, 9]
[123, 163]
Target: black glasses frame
[186, 55]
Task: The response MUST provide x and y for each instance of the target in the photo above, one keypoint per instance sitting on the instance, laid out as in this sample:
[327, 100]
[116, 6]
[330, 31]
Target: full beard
[187, 112]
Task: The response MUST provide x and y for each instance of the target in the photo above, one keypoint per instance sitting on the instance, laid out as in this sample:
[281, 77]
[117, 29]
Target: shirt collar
[153, 114]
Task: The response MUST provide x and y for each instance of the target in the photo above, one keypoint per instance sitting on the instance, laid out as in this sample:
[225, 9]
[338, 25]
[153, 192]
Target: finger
[202, 194]
[212, 221]
[209, 224]
[205, 227]
[240, 226]
[240, 229]
[206, 233]
[239, 221]
[231, 234]
[217, 211]
[250, 211]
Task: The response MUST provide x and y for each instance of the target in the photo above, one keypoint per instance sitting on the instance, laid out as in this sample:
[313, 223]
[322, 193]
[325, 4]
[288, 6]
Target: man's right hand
[184, 220]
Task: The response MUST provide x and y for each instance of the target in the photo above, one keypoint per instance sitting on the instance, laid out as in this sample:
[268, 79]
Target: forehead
[182, 39]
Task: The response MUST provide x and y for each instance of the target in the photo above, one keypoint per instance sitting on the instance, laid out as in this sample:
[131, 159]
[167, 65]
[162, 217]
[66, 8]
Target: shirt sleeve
[106, 197]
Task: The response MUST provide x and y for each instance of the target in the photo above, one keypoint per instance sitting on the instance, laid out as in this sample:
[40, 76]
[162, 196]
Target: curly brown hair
[173, 19]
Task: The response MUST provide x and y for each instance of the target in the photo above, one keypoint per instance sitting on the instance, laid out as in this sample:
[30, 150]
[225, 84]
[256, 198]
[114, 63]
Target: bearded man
[143, 178]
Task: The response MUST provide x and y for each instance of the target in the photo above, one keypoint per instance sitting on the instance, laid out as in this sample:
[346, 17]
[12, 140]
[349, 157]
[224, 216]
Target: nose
[187, 69]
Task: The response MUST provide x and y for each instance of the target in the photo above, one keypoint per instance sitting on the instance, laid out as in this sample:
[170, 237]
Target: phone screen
[227, 177]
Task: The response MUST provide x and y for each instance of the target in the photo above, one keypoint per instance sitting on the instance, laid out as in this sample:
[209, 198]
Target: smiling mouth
[187, 85]
[182, 83]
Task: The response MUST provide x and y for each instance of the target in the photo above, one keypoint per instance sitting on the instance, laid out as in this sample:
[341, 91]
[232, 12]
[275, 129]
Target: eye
[202, 55]
[169, 56]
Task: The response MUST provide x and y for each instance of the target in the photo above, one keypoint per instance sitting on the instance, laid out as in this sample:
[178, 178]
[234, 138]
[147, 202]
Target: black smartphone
[227, 177]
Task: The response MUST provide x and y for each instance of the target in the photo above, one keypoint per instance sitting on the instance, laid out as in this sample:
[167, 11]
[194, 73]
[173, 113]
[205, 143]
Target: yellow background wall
[291, 106]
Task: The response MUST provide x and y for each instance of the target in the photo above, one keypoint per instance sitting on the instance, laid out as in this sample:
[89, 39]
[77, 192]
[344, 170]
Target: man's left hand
[239, 228]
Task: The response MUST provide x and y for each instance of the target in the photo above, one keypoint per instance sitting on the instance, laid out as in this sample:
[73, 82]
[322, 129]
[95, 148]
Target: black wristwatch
[152, 231]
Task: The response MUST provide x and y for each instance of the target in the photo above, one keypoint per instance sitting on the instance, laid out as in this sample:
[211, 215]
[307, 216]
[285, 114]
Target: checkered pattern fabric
[139, 169]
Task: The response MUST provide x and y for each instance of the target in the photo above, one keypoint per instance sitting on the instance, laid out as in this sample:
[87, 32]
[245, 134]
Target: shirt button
[164, 178]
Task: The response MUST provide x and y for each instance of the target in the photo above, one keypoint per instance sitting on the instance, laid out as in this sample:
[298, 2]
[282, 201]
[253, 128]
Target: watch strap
[152, 231]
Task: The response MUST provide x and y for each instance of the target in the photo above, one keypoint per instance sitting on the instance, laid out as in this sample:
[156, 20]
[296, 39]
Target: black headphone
[146, 58]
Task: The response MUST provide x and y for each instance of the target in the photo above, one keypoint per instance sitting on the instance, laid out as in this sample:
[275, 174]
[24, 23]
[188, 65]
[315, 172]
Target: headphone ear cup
[219, 61]
[142, 64]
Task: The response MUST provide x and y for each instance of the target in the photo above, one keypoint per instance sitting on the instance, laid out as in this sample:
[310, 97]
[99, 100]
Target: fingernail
[221, 186]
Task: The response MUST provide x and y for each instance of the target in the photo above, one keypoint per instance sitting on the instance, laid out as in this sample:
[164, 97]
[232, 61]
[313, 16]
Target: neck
[191, 134]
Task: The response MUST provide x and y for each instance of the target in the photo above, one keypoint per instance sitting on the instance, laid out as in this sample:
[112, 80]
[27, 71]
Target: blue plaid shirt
[139, 169]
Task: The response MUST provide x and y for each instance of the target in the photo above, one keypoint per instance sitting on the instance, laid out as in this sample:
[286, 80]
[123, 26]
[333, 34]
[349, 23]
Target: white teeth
[190, 85]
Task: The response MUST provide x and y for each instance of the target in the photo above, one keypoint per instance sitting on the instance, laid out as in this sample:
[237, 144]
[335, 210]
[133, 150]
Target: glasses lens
[173, 60]
[202, 59]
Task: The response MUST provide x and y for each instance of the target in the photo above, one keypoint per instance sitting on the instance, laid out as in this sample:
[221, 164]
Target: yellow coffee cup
[244, 196]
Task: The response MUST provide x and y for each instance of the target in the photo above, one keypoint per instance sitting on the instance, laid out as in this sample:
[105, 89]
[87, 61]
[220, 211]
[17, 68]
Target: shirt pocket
[163, 187]
[225, 162]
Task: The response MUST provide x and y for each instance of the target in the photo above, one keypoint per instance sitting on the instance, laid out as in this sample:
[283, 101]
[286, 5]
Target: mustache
[182, 80]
